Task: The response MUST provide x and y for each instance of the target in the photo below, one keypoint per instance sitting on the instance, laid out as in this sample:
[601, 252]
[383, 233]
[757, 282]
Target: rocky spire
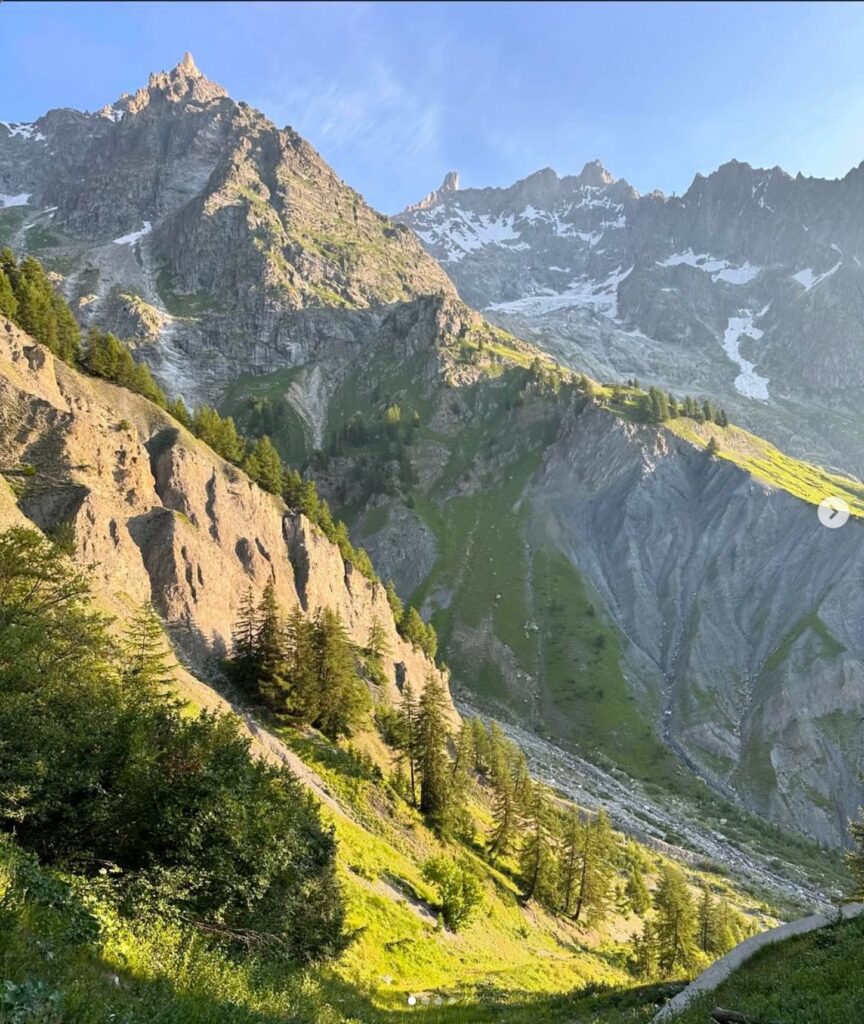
[185, 81]
[449, 184]
[188, 67]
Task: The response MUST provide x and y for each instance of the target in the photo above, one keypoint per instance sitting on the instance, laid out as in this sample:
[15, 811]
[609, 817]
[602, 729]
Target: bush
[460, 891]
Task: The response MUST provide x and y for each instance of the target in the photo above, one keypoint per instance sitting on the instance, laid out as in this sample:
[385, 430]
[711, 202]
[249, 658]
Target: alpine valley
[648, 605]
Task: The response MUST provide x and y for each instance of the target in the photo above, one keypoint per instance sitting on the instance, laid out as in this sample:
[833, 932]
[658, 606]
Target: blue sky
[396, 95]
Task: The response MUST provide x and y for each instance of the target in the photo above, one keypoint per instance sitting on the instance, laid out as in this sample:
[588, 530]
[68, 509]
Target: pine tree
[342, 698]
[264, 465]
[537, 858]
[302, 697]
[459, 819]
[432, 759]
[377, 645]
[636, 891]
[643, 961]
[270, 652]
[713, 447]
[570, 861]
[178, 410]
[8, 302]
[597, 858]
[509, 776]
[395, 602]
[244, 667]
[706, 914]
[675, 923]
[409, 711]
[708, 411]
[148, 661]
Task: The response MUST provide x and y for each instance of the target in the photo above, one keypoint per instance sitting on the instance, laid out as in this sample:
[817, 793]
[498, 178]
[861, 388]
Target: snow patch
[748, 382]
[20, 200]
[23, 131]
[602, 297]
[719, 269]
[134, 236]
[809, 280]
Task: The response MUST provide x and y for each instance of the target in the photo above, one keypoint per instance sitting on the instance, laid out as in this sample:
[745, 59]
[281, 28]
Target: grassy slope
[513, 963]
[571, 662]
[811, 979]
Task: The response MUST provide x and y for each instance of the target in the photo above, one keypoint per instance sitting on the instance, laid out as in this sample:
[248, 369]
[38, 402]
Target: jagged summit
[449, 184]
[594, 173]
[187, 66]
[184, 81]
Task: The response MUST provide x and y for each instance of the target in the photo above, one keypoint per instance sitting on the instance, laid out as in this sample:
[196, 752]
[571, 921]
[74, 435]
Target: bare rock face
[741, 613]
[161, 517]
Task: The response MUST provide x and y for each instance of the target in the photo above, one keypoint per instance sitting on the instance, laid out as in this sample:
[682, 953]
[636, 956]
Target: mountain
[188, 221]
[748, 288]
[584, 569]
[155, 515]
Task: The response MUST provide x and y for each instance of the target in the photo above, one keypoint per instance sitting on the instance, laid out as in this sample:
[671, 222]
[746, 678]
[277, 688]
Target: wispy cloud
[381, 116]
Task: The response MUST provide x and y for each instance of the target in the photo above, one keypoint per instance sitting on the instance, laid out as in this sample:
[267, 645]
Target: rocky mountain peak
[595, 174]
[449, 184]
[183, 82]
[188, 67]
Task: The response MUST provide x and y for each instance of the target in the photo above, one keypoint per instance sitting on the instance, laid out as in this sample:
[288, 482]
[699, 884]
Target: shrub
[460, 891]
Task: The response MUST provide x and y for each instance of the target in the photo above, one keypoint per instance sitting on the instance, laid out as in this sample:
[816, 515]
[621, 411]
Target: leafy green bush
[460, 890]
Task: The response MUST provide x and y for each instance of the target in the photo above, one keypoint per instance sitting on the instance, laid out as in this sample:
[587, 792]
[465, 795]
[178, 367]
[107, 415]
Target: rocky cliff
[161, 518]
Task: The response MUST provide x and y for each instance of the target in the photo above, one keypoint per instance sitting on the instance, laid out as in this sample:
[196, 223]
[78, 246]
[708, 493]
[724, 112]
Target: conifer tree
[177, 408]
[377, 645]
[509, 775]
[395, 601]
[635, 889]
[264, 465]
[537, 858]
[148, 662]
[675, 923]
[8, 302]
[409, 711]
[244, 667]
[459, 819]
[570, 861]
[270, 652]
[432, 759]
[706, 915]
[597, 857]
[342, 699]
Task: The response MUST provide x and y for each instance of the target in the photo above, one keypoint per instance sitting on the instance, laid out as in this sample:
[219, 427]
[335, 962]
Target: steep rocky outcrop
[742, 614]
[748, 288]
[160, 517]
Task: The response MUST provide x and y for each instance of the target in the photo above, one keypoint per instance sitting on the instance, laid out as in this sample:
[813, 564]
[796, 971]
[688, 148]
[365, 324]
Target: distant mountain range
[748, 288]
